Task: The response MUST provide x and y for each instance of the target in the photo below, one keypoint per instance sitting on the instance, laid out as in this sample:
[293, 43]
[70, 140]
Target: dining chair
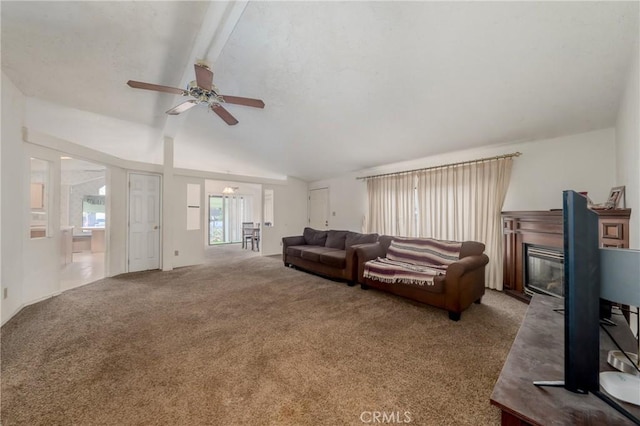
[247, 234]
[255, 238]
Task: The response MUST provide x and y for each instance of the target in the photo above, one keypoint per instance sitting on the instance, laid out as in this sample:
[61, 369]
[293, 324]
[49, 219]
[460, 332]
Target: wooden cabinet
[614, 230]
[544, 228]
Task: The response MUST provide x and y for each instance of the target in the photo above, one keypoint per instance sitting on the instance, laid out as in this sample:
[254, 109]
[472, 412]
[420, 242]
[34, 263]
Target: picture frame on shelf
[616, 198]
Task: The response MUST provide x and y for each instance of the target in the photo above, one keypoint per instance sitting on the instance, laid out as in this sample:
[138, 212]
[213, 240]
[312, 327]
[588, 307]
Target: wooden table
[538, 354]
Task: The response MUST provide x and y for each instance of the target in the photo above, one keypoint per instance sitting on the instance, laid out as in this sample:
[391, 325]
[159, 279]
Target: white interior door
[144, 222]
[319, 208]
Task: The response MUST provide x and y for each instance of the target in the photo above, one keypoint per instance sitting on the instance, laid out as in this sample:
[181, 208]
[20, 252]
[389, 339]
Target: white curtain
[237, 209]
[392, 205]
[247, 209]
[463, 203]
[232, 207]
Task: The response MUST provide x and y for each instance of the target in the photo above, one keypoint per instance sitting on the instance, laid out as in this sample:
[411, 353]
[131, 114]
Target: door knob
[155, 227]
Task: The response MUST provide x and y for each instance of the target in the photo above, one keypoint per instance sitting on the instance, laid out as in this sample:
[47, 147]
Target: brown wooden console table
[538, 354]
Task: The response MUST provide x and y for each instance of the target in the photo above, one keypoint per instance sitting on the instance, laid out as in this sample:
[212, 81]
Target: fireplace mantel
[544, 228]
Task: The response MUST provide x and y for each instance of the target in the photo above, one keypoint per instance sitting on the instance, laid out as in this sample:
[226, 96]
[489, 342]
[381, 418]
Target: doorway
[83, 222]
[229, 204]
[226, 215]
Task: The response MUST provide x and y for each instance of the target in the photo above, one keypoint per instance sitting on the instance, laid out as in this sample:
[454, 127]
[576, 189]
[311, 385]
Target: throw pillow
[336, 239]
[354, 238]
[313, 237]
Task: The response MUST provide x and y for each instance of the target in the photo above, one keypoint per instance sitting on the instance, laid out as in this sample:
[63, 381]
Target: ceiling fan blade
[204, 77]
[236, 100]
[156, 87]
[224, 114]
[182, 107]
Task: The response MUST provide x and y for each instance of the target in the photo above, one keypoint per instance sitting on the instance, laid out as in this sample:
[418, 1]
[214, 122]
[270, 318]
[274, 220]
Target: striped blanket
[413, 261]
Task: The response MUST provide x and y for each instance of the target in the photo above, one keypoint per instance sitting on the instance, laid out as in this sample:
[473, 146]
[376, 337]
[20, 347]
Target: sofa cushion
[313, 253]
[424, 251]
[334, 258]
[385, 241]
[313, 237]
[354, 238]
[336, 239]
[296, 250]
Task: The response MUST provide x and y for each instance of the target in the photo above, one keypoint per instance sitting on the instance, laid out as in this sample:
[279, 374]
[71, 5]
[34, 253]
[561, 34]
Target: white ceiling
[347, 86]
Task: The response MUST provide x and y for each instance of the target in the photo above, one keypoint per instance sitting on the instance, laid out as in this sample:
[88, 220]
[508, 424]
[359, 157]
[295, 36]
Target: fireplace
[543, 270]
[543, 229]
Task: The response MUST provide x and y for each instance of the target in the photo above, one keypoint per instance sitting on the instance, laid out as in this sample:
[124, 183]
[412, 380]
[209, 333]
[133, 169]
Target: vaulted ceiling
[347, 85]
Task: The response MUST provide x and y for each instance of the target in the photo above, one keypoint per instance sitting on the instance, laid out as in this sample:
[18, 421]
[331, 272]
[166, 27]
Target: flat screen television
[582, 300]
[581, 295]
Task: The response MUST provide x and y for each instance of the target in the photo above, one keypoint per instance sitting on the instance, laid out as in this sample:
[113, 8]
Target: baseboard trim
[32, 302]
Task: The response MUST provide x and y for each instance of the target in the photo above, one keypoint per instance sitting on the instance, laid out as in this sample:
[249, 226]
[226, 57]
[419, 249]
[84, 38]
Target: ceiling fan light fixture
[182, 107]
[203, 91]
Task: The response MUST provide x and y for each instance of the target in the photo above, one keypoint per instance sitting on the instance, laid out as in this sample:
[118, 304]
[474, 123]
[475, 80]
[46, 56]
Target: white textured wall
[347, 196]
[117, 216]
[2, 137]
[41, 256]
[95, 131]
[290, 214]
[628, 146]
[188, 243]
[12, 181]
[583, 162]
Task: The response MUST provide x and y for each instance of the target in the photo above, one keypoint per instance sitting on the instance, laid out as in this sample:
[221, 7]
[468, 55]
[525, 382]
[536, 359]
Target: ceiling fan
[204, 92]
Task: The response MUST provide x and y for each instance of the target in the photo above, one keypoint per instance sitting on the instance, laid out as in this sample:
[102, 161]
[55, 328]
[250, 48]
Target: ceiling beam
[217, 25]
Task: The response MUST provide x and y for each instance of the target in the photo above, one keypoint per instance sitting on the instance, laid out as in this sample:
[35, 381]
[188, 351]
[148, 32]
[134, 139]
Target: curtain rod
[480, 160]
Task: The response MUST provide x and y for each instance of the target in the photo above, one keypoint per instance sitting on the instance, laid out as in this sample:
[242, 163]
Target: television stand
[549, 383]
[538, 353]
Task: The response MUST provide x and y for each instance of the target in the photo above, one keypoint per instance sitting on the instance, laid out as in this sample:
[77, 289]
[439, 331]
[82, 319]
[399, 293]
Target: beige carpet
[246, 341]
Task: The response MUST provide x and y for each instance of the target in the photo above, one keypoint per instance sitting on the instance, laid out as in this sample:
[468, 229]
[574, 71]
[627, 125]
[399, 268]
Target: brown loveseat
[460, 283]
[329, 253]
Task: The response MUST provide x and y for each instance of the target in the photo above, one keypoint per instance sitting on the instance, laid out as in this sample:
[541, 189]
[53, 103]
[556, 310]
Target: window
[39, 195]
[268, 207]
[93, 211]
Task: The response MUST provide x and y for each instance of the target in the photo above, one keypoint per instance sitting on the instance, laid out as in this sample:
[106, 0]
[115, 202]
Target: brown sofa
[328, 253]
[455, 290]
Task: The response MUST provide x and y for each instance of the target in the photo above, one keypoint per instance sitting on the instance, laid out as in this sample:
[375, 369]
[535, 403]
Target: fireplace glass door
[544, 270]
